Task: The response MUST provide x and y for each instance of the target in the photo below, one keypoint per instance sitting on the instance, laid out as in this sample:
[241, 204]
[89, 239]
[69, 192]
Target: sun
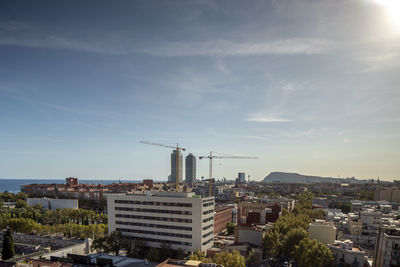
[393, 9]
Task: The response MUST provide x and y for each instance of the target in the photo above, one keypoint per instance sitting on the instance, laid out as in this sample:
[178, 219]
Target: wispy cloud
[235, 48]
[266, 118]
[20, 34]
[376, 63]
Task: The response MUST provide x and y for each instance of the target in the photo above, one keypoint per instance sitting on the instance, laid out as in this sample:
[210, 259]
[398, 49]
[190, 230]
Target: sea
[14, 185]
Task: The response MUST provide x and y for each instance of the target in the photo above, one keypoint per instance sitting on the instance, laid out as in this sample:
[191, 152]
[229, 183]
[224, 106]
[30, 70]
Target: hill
[287, 177]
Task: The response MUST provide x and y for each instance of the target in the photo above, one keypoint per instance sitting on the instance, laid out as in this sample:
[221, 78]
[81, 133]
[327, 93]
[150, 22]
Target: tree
[251, 257]
[153, 254]
[165, 251]
[112, 243]
[272, 243]
[311, 253]
[21, 203]
[8, 246]
[292, 238]
[200, 256]
[230, 228]
[233, 259]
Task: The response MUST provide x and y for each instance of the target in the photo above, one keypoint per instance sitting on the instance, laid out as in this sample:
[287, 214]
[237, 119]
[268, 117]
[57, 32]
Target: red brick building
[222, 215]
[258, 213]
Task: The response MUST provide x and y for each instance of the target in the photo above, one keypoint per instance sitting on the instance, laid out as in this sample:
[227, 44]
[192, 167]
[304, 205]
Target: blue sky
[307, 86]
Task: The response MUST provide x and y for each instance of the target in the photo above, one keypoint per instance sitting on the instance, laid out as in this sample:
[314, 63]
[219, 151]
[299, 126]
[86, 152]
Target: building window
[184, 212]
[173, 242]
[208, 219]
[154, 218]
[153, 233]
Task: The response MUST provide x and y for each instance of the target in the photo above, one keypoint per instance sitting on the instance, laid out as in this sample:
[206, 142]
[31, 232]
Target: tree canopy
[8, 246]
[288, 237]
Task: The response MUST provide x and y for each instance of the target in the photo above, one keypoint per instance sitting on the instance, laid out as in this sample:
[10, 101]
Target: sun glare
[393, 9]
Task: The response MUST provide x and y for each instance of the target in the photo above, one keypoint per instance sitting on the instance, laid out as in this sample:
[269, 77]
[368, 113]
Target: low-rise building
[345, 252]
[355, 227]
[249, 234]
[53, 204]
[370, 218]
[258, 213]
[322, 231]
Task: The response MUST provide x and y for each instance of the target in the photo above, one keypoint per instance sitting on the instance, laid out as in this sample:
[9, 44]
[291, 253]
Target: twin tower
[177, 167]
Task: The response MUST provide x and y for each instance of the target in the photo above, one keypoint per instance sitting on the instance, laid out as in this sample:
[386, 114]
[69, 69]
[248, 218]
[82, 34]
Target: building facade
[52, 203]
[222, 216]
[241, 178]
[180, 219]
[387, 247]
[322, 231]
[345, 252]
[190, 168]
[176, 166]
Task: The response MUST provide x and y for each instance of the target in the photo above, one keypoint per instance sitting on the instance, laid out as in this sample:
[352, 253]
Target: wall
[221, 218]
[53, 204]
[323, 233]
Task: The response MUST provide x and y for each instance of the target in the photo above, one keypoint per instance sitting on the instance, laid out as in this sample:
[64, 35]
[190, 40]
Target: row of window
[184, 228]
[152, 203]
[208, 241]
[154, 233]
[208, 234]
[207, 212]
[173, 242]
[207, 227]
[208, 219]
[184, 212]
[154, 218]
[208, 204]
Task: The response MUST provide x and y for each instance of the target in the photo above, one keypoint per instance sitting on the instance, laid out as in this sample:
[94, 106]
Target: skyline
[308, 86]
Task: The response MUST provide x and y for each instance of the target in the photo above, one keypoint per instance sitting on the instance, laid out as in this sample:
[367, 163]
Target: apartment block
[345, 252]
[387, 247]
[181, 219]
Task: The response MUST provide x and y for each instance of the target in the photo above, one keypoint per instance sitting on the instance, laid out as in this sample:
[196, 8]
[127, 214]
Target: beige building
[180, 219]
[355, 227]
[388, 194]
[345, 252]
[322, 231]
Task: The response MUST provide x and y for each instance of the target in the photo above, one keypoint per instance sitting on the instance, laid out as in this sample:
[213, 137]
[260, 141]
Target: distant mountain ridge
[287, 177]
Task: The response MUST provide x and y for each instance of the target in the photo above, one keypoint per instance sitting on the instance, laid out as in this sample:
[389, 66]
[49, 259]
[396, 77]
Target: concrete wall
[81, 249]
[53, 204]
[250, 236]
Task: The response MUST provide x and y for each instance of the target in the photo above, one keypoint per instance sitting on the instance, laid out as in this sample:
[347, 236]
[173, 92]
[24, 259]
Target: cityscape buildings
[190, 168]
[176, 166]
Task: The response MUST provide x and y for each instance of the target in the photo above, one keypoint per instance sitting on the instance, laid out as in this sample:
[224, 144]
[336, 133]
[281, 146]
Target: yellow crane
[210, 158]
[177, 162]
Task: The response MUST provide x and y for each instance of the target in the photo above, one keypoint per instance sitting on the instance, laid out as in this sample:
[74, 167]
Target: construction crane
[177, 162]
[210, 158]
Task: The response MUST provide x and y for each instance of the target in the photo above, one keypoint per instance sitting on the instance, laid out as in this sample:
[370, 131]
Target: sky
[307, 86]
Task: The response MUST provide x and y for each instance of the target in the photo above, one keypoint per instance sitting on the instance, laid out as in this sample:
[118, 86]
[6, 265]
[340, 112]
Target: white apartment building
[387, 247]
[322, 231]
[181, 219]
[371, 218]
[345, 252]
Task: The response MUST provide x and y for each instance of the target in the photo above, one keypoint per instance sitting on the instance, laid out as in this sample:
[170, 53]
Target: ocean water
[14, 185]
